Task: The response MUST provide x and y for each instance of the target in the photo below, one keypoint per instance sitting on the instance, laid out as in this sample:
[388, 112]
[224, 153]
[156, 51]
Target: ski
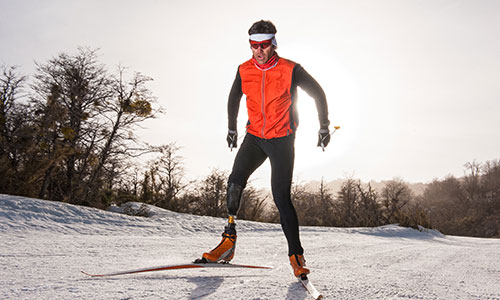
[311, 289]
[193, 265]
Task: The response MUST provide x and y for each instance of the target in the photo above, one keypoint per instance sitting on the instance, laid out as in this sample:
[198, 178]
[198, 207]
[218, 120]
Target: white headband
[259, 37]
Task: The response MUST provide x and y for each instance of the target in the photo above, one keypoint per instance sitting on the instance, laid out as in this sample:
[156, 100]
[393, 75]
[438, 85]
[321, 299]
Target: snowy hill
[45, 245]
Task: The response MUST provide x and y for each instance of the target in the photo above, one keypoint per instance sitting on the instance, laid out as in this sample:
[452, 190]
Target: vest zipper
[263, 99]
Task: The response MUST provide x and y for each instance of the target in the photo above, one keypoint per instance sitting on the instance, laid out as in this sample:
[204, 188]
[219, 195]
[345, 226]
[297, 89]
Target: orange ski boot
[298, 264]
[225, 250]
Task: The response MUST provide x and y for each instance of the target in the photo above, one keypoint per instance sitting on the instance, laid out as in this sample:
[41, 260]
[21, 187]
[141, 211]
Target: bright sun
[344, 111]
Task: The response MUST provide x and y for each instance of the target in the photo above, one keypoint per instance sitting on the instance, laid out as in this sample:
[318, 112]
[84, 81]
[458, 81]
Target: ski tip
[93, 275]
[88, 274]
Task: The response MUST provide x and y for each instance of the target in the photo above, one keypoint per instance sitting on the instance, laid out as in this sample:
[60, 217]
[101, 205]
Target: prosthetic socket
[234, 192]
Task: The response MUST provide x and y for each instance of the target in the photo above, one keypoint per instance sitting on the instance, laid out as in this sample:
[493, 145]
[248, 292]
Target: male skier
[269, 83]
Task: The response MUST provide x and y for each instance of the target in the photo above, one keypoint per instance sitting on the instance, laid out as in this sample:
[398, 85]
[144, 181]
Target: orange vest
[270, 105]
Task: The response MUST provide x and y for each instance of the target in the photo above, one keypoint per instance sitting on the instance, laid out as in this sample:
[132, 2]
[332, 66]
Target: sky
[414, 85]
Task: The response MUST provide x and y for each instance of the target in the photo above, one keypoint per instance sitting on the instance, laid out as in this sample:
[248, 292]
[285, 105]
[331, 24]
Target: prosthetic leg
[225, 250]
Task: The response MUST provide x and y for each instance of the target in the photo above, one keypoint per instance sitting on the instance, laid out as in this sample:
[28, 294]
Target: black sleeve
[314, 90]
[233, 103]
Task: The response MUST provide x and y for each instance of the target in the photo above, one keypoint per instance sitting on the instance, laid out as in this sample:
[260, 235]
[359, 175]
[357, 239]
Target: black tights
[253, 152]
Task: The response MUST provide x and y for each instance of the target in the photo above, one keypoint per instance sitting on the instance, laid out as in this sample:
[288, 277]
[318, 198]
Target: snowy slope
[46, 244]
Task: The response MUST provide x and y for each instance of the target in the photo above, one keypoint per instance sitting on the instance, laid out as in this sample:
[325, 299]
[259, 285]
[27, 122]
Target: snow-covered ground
[45, 245]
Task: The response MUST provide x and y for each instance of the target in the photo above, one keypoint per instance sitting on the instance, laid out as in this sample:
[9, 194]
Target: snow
[46, 244]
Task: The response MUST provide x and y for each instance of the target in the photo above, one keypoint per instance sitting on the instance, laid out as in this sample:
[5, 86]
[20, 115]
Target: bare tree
[396, 194]
[166, 178]
[86, 122]
[12, 128]
[11, 83]
[347, 201]
[210, 196]
[368, 207]
[78, 86]
[131, 104]
[472, 185]
[313, 207]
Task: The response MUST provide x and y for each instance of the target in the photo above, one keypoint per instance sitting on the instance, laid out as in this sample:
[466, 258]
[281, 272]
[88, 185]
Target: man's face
[262, 51]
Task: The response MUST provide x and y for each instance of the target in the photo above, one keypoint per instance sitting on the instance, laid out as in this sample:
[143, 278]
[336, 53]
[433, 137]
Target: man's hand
[323, 138]
[232, 139]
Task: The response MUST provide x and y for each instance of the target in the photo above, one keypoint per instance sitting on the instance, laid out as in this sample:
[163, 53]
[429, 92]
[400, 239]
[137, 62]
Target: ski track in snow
[46, 244]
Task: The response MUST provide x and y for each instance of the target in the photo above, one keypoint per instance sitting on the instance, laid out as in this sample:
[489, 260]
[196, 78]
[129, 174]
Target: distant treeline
[68, 135]
[467, 206]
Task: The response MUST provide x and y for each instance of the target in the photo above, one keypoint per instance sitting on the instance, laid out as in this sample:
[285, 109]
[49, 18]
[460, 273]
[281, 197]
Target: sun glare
[343, 104]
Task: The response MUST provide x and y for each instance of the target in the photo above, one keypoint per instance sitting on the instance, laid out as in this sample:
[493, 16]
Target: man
[270, 85]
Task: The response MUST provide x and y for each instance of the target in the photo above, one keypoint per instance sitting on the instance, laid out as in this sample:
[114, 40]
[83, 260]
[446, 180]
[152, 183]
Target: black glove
[232, 139]
[323, 137]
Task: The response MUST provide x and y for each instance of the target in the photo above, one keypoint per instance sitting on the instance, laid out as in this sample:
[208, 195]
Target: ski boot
[225, 250]
[298, 265]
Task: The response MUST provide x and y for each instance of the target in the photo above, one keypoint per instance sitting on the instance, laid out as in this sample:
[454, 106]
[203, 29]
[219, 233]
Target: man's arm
[313, 89]
[233, 103]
